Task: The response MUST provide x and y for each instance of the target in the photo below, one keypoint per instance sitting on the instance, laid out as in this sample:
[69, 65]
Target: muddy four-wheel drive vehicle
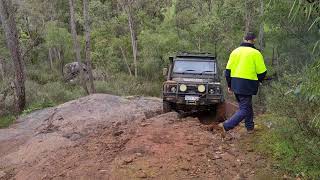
[192, 83]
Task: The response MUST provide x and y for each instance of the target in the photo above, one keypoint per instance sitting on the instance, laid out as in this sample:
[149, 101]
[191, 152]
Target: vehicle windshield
[194, 67]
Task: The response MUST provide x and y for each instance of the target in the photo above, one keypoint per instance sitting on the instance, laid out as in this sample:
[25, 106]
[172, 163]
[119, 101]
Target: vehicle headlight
[201, 88]
[215, 90]
[173, 89]
[218, 90]
[183, 88]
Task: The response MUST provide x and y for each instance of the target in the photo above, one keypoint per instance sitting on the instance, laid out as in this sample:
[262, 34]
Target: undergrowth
[292, 150]
[124, 85]
[45, 90]
[293, 141]
[6, 121]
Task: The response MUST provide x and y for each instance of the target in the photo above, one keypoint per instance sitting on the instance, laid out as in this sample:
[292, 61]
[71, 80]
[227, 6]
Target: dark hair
[250, 36]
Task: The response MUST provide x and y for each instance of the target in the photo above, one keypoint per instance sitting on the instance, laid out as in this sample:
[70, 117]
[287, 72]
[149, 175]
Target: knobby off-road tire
[221, 112]
[167, 107]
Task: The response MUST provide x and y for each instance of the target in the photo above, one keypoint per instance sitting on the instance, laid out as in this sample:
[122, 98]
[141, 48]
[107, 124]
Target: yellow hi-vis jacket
[245, 69]
[246, 63]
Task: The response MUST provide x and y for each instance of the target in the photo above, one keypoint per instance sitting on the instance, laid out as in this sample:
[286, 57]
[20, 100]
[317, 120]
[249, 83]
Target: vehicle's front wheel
[167, 107]
[221, 112]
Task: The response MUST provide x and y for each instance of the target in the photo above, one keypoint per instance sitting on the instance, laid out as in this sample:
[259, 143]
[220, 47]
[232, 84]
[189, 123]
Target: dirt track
[109, 137]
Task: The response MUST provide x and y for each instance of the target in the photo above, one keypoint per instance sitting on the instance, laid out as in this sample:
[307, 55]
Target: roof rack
[195, 55]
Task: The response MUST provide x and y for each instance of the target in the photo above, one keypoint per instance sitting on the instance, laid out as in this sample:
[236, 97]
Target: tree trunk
[61, 59]
[273, 58]
[54, 53]
[199, 44]
[88, 43]
[125, 60]
[133, 41]
[76, 45]
[52, 10]
[1, 69]
[248, 16]
[10, 28]
[261, 29]
[261, 95]
[209, 5]
[50, 59]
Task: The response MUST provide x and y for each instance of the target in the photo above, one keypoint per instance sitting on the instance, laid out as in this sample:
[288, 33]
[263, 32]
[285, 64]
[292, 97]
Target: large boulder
[72, 71]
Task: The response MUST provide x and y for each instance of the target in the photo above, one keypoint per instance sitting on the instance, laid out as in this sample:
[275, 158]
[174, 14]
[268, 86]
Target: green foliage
[6, 121]
[293, 101]
[293, 105]
[124, 85]
[310, 87]
[45, 88]
[52, 93]
[291, 149]
[291, 35]
[38, 106]
[37, 74]
[56, 36]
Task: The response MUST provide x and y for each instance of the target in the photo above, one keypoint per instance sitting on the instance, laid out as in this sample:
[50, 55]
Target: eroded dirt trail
[108, 137]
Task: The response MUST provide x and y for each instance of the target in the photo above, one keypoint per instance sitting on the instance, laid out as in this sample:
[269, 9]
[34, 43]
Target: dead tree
[10, 28]
[76, 45]
[88, 44]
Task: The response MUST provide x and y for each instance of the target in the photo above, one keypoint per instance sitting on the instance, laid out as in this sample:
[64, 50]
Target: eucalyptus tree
[11, 32]
[76, 45]
[2, 69]
[127, 7]
[88, 43]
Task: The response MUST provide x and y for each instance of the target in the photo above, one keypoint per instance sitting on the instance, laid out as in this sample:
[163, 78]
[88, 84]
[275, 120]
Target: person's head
[250, 37]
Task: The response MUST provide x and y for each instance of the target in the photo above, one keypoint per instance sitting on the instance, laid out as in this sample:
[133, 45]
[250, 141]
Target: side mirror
[165, 71]
[223, 72]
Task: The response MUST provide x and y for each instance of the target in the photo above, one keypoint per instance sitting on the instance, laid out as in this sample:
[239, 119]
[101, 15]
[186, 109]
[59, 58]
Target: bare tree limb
[88, 43]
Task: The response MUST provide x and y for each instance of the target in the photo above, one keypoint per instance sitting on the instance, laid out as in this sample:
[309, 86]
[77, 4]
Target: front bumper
[204, 100]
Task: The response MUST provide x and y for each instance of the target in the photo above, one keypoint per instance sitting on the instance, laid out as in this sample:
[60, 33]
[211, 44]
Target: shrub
[292, 149]
[6, 120]
[124, 85]
[294, 140]
[58, 92]
[40, 75]
[50, 94]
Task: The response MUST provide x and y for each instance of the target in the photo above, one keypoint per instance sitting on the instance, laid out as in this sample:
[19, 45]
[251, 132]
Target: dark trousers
[245, 112]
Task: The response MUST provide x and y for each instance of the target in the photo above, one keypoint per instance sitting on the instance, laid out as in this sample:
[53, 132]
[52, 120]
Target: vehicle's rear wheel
[167, 106]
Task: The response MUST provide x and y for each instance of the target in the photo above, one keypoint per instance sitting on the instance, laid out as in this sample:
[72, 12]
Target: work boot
[250, 131]
[222, 130]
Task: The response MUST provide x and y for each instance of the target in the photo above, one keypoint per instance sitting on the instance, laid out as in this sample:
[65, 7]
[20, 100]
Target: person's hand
[230, 90]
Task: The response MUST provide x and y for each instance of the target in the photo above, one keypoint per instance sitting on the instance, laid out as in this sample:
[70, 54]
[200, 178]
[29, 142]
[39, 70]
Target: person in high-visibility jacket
[244, 72]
